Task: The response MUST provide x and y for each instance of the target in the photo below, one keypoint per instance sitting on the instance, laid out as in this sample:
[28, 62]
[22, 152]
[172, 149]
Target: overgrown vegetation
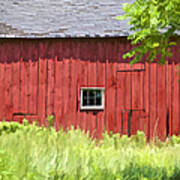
[29, 152]
[155, 25]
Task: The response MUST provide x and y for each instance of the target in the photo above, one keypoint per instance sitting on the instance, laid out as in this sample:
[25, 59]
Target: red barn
[64, 58]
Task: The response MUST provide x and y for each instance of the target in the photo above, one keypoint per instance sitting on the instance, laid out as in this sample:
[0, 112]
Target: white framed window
[92, 98]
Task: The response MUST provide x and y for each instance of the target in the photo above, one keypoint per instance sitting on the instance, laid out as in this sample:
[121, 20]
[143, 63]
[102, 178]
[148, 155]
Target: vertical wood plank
[125, 122]
[58, 103]
[73, 93]
[2, 91]
[146, 99]
[83, 116]
[31, 118]
[101, 82]
[143, 123]
[176, 100]
[58, 106]
[33, 87]
[42, 91]
[92, 83]
[16, 86]
[137, 98]
[169, 94]
[135, 122]
[24, 82]
[153, 99]
[120, 99]
[124, 95]
[50, 88]
[82, 82]
[79, 113]
[18, 118]
[8, 94]
[110, 95]
[137, 90]
[81, 79]
[128, 88]
[161, 100]
[110, 88]
[65, 92]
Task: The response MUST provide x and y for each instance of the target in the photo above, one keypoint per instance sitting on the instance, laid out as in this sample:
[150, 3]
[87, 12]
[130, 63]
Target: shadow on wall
[110, 49]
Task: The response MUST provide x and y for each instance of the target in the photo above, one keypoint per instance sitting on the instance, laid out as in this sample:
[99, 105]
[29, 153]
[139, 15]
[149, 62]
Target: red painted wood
[18, 118]
[176, 100]
[124, 102]
[110, 95]
[8, 92]
[42, 91]
[146, 87]
[137, 89]
[111, 69]
[120, 105]
[92, 83]
[100, 76]
[65, 92]
[72, 87]
[82, 116]
[33, 87]
[77, 93]
[161, 102]
[143, 122]
[30, 118]
[137, 99]
[169, 94]
[125, 122]
[2, 91]
[115, 58]
[16, 86]
[128, 86]
[153, 100]
[139, 121]
[50, 86]
[136, 115]
[49, 78]
[24, 86]
[58, 103]
[82, 75]
[73, 93]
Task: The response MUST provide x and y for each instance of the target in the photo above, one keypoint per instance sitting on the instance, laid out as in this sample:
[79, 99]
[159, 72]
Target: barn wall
[43, 77]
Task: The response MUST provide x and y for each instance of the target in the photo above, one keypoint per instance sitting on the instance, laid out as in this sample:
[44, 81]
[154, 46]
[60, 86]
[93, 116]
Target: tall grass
[29, 152]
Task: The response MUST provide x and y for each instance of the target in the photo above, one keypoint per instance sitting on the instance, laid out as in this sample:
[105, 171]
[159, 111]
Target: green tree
[154, 26]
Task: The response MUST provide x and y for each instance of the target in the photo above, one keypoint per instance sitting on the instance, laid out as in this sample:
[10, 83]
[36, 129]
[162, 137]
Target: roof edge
[60, 36]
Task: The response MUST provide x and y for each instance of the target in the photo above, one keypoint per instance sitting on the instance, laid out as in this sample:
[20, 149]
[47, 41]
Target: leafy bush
[29, 152]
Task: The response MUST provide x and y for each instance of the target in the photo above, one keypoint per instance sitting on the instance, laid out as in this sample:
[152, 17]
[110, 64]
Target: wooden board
[2, 91]
[42, 80]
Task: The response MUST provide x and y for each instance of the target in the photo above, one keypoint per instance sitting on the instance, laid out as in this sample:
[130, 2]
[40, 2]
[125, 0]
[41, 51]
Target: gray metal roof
[62, 18]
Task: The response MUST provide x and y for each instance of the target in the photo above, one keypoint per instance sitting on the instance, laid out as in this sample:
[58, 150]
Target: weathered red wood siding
[43, 77]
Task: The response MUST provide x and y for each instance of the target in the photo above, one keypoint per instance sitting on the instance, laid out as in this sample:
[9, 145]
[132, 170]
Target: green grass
[28, 152]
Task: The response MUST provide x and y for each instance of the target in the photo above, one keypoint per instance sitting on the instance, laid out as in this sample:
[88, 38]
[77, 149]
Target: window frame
[95, 107]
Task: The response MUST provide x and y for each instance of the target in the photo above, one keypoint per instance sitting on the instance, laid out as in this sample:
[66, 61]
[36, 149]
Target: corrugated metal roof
[62, 18]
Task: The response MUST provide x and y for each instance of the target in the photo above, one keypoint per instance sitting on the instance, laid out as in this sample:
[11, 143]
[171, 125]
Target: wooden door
[25, 87]
[130, 111]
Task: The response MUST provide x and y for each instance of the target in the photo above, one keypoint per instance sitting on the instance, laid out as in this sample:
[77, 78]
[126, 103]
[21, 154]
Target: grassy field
[28, 152]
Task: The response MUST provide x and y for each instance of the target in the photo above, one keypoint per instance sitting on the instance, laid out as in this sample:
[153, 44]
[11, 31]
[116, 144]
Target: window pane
[85, 98]
[92, 97]
[98, 98]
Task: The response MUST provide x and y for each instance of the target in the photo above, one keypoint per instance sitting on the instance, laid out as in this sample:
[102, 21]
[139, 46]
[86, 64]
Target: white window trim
[92, 107]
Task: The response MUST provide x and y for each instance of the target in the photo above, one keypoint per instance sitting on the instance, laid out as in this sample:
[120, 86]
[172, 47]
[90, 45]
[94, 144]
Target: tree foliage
[154, 26]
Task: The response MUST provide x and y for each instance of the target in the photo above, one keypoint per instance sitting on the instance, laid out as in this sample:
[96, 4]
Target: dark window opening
[92, 98]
